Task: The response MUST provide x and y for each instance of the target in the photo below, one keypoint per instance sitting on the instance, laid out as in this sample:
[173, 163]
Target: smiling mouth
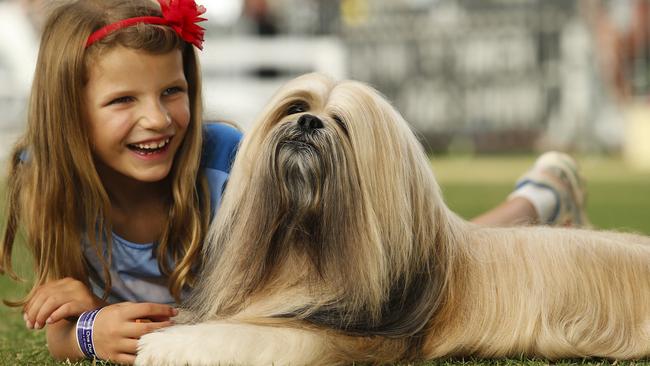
[150, 148]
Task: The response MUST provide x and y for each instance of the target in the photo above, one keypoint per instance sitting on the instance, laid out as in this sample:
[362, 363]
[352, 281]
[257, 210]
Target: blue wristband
[85, 333]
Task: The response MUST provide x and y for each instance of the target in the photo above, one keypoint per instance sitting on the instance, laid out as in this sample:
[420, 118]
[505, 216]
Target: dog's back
[549, 292]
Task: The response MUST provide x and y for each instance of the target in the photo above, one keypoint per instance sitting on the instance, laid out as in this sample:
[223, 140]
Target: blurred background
[477, 76]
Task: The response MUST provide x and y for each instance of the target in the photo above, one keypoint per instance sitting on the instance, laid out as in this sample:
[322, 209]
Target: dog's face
[308, 164]
[323, 140]
[310, 151]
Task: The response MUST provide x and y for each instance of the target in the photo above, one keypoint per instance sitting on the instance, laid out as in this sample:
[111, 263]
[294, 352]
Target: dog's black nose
[309, 122]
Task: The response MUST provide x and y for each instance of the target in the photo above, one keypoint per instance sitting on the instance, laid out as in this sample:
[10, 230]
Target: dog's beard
[310, 179]
[301, 162]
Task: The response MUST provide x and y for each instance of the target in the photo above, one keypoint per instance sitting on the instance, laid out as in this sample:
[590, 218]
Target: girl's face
[137, 106]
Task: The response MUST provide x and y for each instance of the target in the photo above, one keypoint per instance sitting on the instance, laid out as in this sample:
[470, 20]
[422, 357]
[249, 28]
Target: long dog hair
[333, 245]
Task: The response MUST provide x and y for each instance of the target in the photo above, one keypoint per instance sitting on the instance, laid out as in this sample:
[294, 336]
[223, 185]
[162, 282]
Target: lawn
[618, 199]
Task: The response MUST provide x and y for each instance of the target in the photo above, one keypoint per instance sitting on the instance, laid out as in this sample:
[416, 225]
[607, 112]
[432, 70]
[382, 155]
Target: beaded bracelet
[85, 332]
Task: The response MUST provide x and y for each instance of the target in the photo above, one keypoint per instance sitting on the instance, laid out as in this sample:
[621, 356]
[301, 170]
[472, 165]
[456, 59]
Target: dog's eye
[297, 107]
[340, 122]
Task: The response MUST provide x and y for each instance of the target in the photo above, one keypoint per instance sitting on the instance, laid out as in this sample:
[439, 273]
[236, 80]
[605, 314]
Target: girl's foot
[556, 189]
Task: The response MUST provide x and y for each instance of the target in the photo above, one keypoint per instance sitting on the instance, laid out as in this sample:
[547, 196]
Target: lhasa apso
[333, 245]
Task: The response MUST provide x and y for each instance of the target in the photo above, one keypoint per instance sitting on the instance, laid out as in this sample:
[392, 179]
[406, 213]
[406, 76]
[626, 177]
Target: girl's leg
[551, 193]
[515, 211]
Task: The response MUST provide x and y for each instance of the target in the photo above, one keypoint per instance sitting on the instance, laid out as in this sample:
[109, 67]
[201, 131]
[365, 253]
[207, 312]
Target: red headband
[181, 15]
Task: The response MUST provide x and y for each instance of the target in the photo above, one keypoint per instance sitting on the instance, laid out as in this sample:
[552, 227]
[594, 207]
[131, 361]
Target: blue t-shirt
[134, 271]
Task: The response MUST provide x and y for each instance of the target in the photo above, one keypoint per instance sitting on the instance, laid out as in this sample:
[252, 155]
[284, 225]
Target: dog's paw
[223, 343]
[176, 345]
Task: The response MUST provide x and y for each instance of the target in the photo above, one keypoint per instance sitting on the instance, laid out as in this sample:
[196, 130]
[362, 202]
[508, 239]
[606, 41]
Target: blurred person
[258, 12]
[116, 179]
[622, 34]
[262, 24]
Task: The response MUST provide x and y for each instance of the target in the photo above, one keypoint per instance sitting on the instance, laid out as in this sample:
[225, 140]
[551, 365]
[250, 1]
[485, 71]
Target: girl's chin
[152, 175]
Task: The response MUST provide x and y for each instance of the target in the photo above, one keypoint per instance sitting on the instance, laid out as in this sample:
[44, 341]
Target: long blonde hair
[316, 212]
[53, 187]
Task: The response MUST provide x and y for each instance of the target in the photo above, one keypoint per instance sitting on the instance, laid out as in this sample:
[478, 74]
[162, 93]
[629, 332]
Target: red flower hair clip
[181, 15]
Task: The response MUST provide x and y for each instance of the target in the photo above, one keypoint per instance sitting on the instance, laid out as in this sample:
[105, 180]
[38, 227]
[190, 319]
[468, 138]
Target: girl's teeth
[153, 145]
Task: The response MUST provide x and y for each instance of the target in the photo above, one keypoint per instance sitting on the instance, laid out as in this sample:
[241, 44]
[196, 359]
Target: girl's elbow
[61, 354]
[61, 345]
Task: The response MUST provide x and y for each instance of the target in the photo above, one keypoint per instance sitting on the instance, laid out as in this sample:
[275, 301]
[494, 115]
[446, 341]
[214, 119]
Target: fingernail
[37, 325]
[48, 321]
[29, 324]
[25, 317]
[175, 311]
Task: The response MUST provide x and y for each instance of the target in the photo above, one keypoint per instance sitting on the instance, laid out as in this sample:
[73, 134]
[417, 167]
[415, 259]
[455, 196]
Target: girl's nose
[155, 116]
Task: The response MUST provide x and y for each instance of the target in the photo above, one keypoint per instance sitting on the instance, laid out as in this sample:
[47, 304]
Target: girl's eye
[340, 122]
[121, 100]
[173, 90]
[297, 107]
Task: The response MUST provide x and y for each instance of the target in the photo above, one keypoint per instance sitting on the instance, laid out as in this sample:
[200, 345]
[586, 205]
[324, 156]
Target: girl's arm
[62, 341]
[115, 331]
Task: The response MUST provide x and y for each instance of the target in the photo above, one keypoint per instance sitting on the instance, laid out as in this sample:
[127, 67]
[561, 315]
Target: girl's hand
[117, 328]
[57, 300]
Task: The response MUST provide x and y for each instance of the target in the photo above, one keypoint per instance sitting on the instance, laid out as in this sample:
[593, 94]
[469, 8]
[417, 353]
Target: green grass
[618, 199]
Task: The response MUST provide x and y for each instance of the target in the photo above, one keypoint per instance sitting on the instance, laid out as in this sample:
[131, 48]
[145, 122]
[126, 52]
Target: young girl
[110, 181]
[116, 178]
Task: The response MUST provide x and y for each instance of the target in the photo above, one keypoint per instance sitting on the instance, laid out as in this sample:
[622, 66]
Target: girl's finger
[119, 346]
[128, 346]
[34, 306]
[45, 310]
[153, 319]
[136, 330]
[64, 311]
[120, 352]
[43, 293]
[148, 311]
[30, 304]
